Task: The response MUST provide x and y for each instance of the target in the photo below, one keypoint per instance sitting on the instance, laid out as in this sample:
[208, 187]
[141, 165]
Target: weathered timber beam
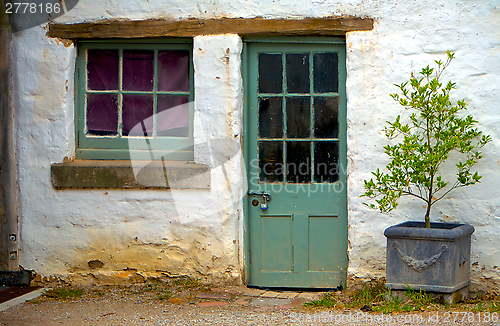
[194, 27]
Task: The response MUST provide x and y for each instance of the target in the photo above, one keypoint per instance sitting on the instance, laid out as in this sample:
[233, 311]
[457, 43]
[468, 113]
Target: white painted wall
[62, 230]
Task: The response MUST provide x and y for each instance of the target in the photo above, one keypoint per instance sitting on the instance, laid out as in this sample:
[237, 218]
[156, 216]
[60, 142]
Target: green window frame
[119, 146]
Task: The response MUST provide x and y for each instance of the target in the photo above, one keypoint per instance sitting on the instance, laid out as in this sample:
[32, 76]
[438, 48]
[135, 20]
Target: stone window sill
[124, 174]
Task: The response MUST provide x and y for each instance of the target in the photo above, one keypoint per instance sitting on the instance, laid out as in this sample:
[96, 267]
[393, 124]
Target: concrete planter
[434, 260]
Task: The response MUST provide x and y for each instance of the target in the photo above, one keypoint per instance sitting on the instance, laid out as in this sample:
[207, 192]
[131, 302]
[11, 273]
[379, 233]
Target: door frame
[245, 143]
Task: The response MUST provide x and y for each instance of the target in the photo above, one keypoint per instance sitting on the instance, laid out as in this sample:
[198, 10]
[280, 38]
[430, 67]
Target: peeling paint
[65, 42]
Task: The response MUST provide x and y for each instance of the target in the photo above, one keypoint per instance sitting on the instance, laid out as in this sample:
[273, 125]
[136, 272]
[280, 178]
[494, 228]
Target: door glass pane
[173, 70]
[271, 117]
[138, 70]
[271, 161]
[326, 74]
[137, 109]
[102, 114]
[326, 156]
[173, 116]
[326, 111]
[102, 69]
[270, 73]
[297, 73]
[298, 117]
[298, 160]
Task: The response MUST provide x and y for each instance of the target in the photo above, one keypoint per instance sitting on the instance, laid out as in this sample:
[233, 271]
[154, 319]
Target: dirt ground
[186, 302]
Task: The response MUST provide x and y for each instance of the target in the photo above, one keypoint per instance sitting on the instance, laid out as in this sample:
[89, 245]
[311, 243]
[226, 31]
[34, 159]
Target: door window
[298, 105]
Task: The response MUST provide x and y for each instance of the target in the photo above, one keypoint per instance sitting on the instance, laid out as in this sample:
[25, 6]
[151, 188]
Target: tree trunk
[427, 219]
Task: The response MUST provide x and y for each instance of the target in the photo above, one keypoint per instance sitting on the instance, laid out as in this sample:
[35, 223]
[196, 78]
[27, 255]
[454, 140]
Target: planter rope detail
[416, 264]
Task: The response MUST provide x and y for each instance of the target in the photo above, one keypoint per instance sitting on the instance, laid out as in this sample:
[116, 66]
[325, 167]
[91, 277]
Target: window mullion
[85, 92]
[155, 87]
[120, 94]
[311, 110]
[284, 107]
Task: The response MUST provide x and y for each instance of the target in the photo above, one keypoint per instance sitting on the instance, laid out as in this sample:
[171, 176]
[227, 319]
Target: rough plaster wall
[147, 230]
[407, 35]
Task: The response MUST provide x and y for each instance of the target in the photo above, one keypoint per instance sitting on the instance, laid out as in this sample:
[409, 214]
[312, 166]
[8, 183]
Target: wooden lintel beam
[193, 27]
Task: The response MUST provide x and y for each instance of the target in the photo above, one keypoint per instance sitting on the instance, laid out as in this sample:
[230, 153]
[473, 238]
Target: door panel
[319, 238]
[295, 142]
[276, 243]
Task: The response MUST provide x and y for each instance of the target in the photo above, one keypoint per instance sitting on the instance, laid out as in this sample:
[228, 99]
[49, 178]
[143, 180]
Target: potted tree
[428, 256]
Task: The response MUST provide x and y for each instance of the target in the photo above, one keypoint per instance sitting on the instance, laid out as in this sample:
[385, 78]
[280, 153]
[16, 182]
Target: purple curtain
[137, 109]
[173, 116]
[102, 114]
[138, 70]
[138, 75]
[102, 69]
[173, 70]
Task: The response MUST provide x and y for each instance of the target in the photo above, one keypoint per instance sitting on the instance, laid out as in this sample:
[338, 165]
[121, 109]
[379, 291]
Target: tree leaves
[435, 129]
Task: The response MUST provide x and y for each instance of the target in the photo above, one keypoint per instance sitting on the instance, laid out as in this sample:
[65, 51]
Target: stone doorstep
[260, 298]
[252, 292]
[270, 294]
[306, 296]
[287, 295]
[295, 303]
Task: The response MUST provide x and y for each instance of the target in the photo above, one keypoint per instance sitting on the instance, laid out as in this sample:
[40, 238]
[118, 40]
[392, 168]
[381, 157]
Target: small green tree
[435, 131]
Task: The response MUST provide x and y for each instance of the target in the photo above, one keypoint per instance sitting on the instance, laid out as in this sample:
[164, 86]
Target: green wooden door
[295, 140]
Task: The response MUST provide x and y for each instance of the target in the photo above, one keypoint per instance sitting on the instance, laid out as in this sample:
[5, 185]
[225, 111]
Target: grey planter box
[434, 260]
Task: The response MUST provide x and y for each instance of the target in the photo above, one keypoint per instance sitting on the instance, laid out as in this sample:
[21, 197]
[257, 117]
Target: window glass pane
[133, 89]
[270, 73]
[271, 161]
[173, 116]
[271, 117]
[298, 118]
[326, 112]
[173, 70]
[102, 114]
[102, 67]
[138, 70]
[298, 162]
[137, 112]
[326, 73]
[297, 73]
[326, 157]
